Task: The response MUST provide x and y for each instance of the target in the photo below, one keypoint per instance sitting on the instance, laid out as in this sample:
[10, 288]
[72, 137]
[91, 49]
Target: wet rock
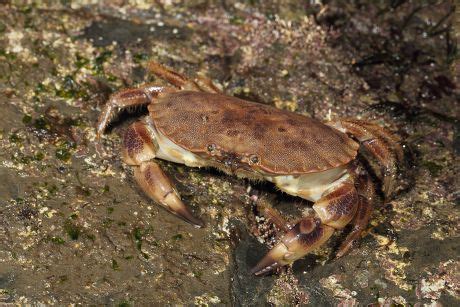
[247, 289]
[74, 227]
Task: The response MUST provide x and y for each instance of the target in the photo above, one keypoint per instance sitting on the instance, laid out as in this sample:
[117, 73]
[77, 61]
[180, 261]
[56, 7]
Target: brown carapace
[195, 124]
[194, 120]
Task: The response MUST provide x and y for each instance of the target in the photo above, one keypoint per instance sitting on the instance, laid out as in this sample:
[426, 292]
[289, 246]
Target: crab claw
[173, 204]
[159, 187]
[304, 237]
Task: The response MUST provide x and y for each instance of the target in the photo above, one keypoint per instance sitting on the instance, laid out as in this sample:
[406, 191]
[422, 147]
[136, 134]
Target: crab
[192, 122]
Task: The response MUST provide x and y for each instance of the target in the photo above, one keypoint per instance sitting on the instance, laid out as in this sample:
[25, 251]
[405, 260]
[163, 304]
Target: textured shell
[284, 142]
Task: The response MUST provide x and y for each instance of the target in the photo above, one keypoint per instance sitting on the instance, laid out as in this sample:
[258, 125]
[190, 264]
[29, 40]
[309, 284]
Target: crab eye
[211, 147]
[254, 159]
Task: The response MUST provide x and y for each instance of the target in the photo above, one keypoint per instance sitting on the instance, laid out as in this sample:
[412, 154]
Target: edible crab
[194, 123]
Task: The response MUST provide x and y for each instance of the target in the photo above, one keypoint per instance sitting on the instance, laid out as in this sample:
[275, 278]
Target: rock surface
[75, 228]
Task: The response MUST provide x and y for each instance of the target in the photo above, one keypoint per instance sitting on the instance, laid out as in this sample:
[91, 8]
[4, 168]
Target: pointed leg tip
[339, 254]
[199, 224]
[177, 208]
[345, 248]
[187, 216]
[261, 269]
[272, 260]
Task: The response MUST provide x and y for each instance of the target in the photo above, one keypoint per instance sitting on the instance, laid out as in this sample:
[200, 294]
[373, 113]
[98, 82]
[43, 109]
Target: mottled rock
[74, 228]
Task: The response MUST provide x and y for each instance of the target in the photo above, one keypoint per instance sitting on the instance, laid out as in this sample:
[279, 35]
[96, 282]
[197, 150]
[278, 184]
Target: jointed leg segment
[380, 143]
[158, 187]
[302, 238]
[125, 99]
[138, 150]
[201, 84]
[366, 194]
[337, 207]
[172, 77]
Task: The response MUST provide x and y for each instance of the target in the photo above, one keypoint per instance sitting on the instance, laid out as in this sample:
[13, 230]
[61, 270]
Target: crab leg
[124, 99]
[334, 210]
[200, 84]
[272, 214]
[207, 85]
[380, 143]
[305, 236]
[158, 187]
[172, 77]
[361, 220]
[139, 149]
